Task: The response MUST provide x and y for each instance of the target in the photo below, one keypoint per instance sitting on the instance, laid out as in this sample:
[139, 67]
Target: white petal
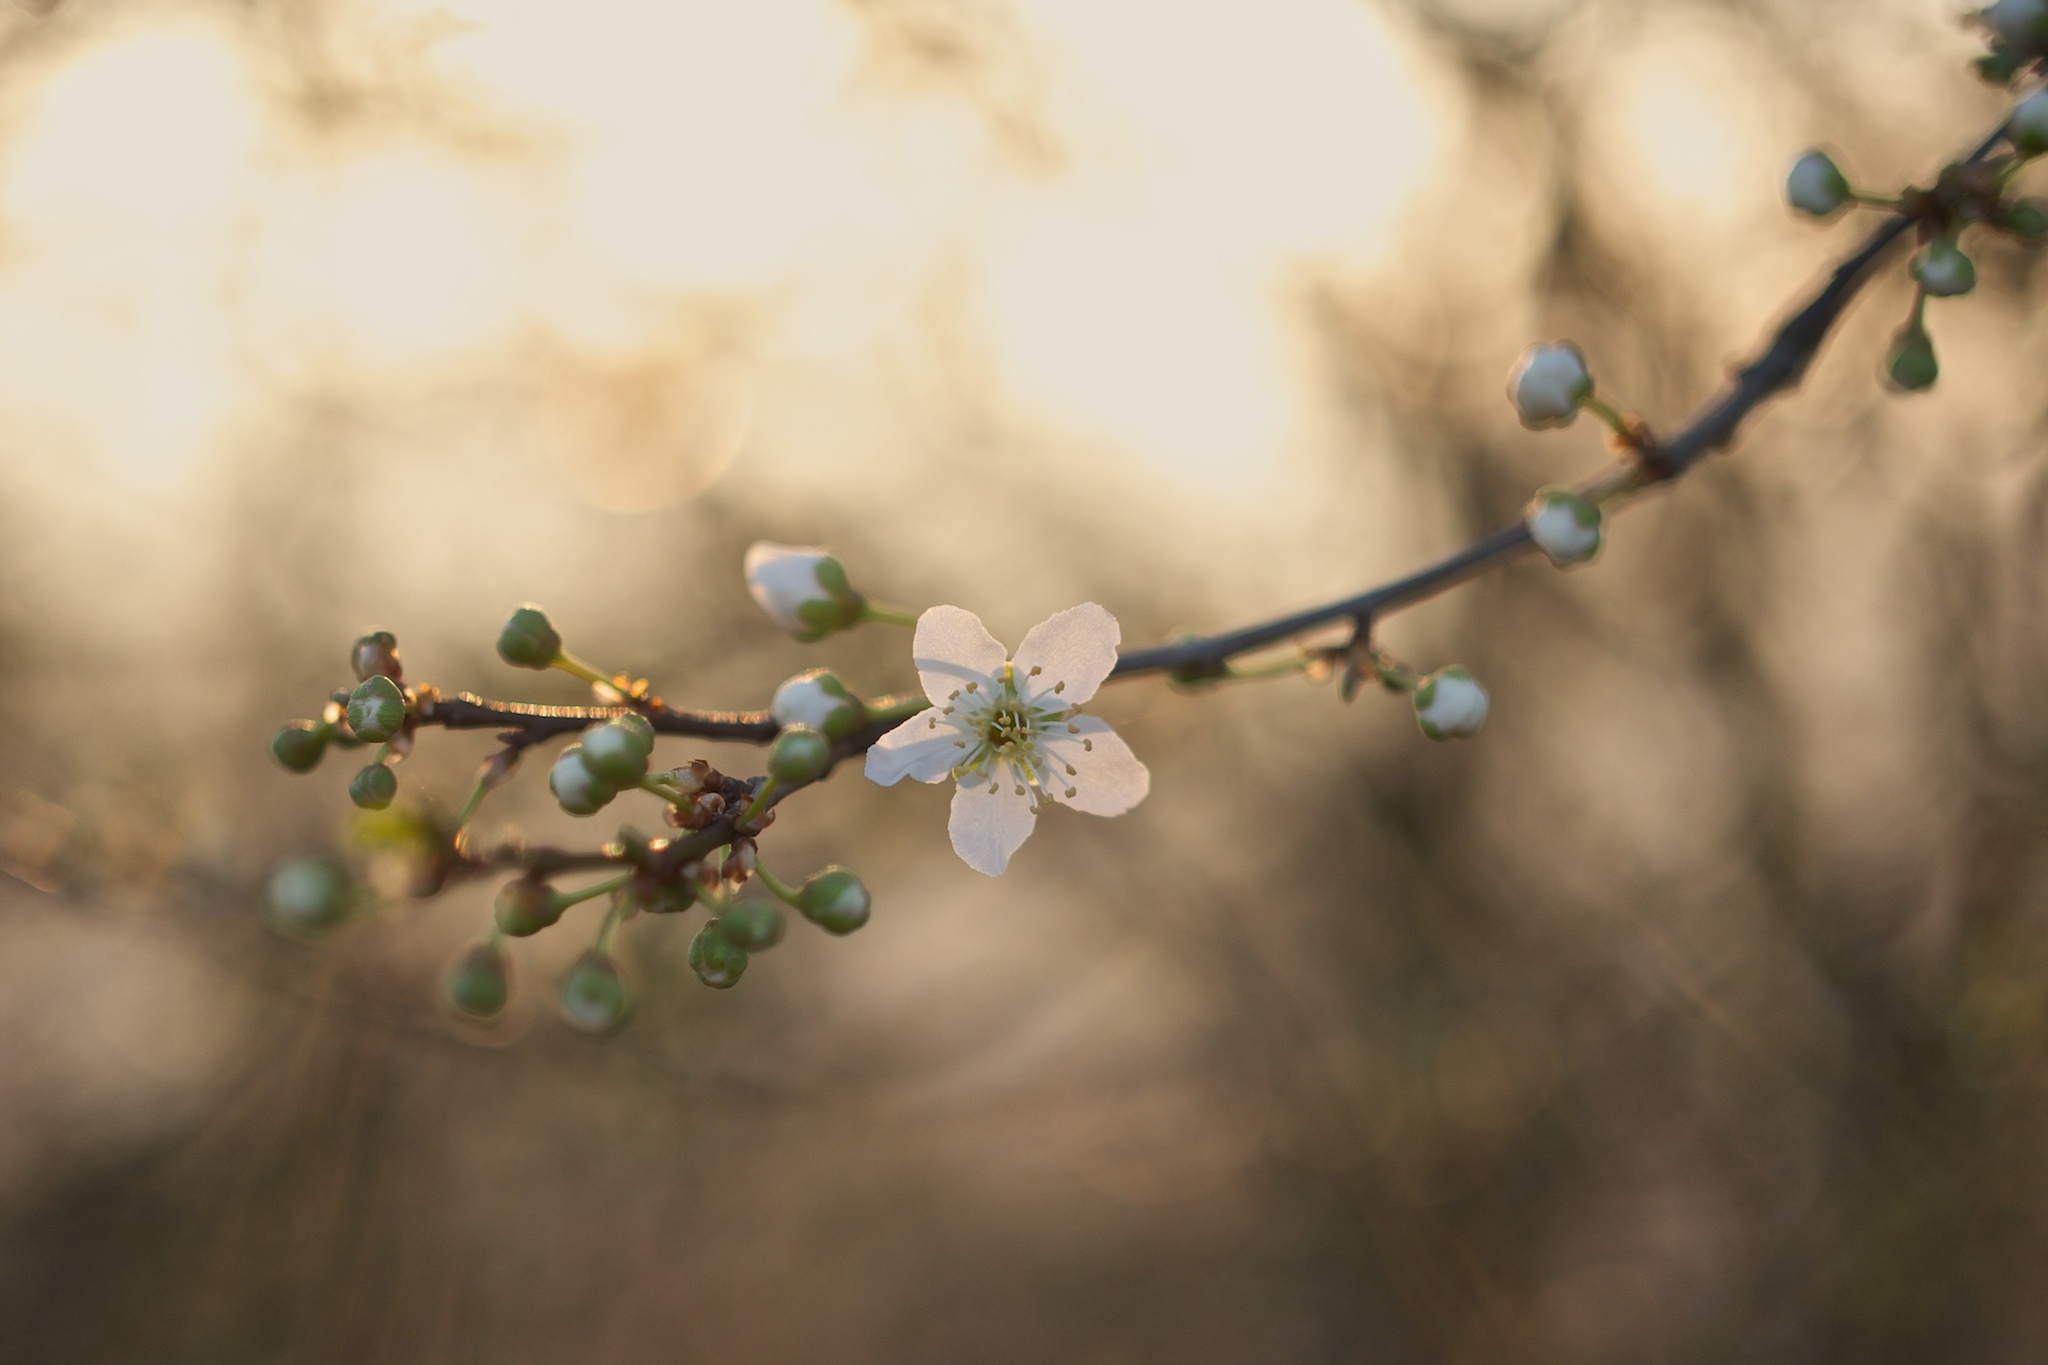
[1107, 779]
[987, 827]
[1076, 646]
[783, 577]
[952, 649]
[915, 749]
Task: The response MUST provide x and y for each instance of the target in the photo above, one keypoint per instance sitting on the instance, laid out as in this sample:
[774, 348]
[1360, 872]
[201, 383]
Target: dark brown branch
[1780, 367]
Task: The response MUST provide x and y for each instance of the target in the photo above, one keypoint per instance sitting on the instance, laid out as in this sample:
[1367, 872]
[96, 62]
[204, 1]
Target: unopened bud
[1450, 704]
[670, 898]
[1816, 186]
[2028, 128]
[376, 709]
[752, 925]
[477, 982]
[639, 727]
[1943, 270]
[1911, 365]
[799, 755]
[1564, 526]
[299, 745]
[1548, 384]
[2026, 219]
[579, 790]
[614, 753]
[374, 787]
[594, 996]
[376, 655]
[717, 960]
[819, 700]
[529, 640]
[2023, 24]
[310, 895]
[525, 906]
[802, 589]
[835, 899]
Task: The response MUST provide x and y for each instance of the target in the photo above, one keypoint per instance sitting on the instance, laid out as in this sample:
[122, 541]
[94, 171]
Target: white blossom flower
[1010, 732]
[2028, 128]
[802, 588]
[1564, 526]
[1450, 704]
[817, 699]
[1815, 185]
[1548, 384]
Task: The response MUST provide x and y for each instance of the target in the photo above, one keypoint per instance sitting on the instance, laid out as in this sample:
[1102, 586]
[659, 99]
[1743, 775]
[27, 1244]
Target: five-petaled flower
[1010, 732]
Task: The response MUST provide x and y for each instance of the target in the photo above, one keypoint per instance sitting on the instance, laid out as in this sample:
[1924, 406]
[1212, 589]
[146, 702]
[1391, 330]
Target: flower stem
[662, 790]
[902, 710]
[1607, 413]
[774, 883]
[1873, 201]
[593, 891]
[575, 667]
[758, 804]
[613, 917]
[883, 614]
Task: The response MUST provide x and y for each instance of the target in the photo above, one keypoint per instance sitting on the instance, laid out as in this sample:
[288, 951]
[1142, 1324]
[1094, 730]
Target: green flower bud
[671, 898]
[1911, 365]
[752, 925]
[614, 754]
[579, 790]
[717, 960]
[1943, 270]
[639, 727]
[1815, 185]
[799, 755]
[476, 982]
[309, 895]
[376, 655]
[594, 996]
[835, 900]
[2026, 219]
[525, 906]
[803, 590]
[2028, 128]
[819, 700]
[376, 709]
[299, 745]
[374, 787]
[528, 640]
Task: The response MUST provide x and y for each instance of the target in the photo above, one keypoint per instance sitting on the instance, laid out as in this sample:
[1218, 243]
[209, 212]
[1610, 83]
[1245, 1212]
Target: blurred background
[1694, 1012]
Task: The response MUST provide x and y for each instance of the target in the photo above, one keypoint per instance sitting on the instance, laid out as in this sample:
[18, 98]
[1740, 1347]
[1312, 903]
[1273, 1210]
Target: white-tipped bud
[580, 791]
[1450, 704]
[1548, 384]
[1943, 270]
[1564, 526]
[819, 700]
[2022, 23]
[1816, 186]
[802, 589]
[2029, 126]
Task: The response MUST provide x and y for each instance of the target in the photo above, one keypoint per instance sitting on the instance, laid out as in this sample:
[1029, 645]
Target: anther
[1059, 686]
[1072, 771]
[1036, 670]
[1089, 745]
[1073, 729]
[1070, 793]
[970, 687]
[947, 712]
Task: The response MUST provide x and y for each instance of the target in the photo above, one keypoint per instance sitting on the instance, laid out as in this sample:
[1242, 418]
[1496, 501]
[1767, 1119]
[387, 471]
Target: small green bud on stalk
[1564, 526]
[2028, 130]
[639, 727]
[717, 960]
[1911, 365]
[525, 906]
[1943, 270]
[752, 925]
[835, 899]
[477, 982]
[2022, 24]
[1450, 704]
[376, 655]
[376, 709]
[818, 700]
[299, 745]
[2026, 219]
[374, 787]
[580, 791]
[594, 997]
[529, 640]
[1816, 186]
[799, 755]
[615, 753]
[310, 895]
